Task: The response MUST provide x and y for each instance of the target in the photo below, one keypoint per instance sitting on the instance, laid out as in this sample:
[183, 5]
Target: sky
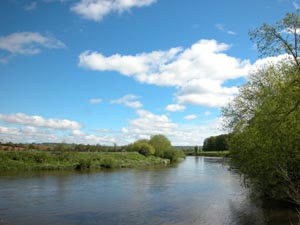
[114, 71]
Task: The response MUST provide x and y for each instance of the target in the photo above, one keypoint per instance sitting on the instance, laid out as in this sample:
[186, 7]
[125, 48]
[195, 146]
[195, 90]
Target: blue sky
[114, 71]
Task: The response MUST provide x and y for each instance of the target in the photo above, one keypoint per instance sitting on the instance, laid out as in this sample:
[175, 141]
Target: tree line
[216, 143]
[157, 145]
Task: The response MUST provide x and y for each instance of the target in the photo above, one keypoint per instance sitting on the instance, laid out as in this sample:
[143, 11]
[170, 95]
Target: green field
[50, 160]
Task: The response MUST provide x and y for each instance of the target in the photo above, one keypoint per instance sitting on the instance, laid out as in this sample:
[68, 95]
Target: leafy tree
[160, 143]
[216, 143]
[142, 147]
[264, 117]
[281, 38]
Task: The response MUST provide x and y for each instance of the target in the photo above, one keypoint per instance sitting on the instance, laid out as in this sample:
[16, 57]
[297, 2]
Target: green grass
[47, 160]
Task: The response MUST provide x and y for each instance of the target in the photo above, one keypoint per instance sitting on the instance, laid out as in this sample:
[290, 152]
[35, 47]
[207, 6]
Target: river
[199, 190]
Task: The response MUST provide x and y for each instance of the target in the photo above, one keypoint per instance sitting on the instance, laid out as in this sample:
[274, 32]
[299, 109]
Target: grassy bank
[50, 160]
[210, 153]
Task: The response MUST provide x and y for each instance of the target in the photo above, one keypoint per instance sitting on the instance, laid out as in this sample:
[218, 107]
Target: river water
[199, 190]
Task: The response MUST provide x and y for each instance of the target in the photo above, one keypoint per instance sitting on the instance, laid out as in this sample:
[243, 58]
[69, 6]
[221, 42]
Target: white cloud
[296, 5]
[266, 62]
[145, 125]
[205, 92]
[95, 101]
[97, 9]
[191, 117]
[197, 72]
[129, 101]
[31, 6]
[148, 123]
[28, 43]
[78, 133]
[38, 121]
[222, 28]
[29, 134]
[175, 108]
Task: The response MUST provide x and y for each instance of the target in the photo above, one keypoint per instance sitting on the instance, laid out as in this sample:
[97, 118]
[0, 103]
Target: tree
[281, 38]
[264, 117]
[160, 143]
[216, 143]
[141, 146]
[266, 142]
[196, 149]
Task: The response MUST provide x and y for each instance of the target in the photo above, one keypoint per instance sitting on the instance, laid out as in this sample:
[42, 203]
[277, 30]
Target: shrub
[142, 147]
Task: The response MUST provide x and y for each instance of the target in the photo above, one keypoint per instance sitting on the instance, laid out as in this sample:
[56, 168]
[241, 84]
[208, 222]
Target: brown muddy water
[199, 190]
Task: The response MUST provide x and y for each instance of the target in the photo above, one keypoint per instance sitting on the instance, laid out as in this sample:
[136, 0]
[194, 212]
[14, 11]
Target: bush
[142, 147]
[83, 164]
[160, 144]
[172, 154]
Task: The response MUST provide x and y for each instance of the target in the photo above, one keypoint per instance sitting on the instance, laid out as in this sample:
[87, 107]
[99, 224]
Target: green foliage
[164, 149]
[215, 154]
[161, 144]
[142, 147]
[83, 164]
[281, 38]
[265, 144]
[264, 117]
[38, 160]
[216, 143]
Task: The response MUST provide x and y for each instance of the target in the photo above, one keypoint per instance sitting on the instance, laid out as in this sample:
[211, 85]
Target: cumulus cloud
[145, 125]
[148, 124]
[197, 72]
[191, 117]
[28, 43]
[38, 121]
[175, 108]
[272, 60]
[97, 9]
[129, 101]
[95, 101]
[27, 134]
[205, 92]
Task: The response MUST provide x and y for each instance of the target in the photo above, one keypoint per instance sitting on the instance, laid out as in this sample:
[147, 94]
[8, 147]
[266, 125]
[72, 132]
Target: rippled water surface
[198, 191]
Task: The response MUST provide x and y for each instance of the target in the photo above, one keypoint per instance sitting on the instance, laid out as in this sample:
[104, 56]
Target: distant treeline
[216, 143]
[157, 145]
[61, 147]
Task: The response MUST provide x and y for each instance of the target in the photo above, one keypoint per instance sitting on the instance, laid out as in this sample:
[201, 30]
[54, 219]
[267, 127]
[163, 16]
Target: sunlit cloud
[129, 101]
[38, 121]
[175, 108]
[97, 9]
[191, 117]
[192, 71]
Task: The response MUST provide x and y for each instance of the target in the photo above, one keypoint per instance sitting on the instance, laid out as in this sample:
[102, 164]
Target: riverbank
[210, 153]
[66, 160]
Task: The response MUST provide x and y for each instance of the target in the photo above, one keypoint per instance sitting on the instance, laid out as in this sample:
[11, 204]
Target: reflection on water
[199, 190]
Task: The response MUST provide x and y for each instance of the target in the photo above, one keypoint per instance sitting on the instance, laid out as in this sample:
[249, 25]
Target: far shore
[27, 160]
[209, 153]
